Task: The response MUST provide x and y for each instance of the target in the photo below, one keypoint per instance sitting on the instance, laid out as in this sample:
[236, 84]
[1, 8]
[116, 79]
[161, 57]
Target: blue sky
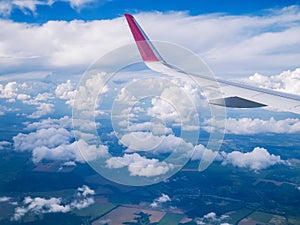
[108, 9]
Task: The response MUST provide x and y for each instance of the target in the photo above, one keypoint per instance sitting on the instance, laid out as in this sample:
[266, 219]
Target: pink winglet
[144, 45]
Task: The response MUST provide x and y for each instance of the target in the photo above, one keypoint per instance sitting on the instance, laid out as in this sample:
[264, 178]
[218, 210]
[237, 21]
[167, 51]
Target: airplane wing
[234, 95]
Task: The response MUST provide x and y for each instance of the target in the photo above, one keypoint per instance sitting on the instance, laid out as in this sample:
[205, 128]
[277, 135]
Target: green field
[237, 215]
[294, 221]
[261, 216]
[94, 211]
[171, 219]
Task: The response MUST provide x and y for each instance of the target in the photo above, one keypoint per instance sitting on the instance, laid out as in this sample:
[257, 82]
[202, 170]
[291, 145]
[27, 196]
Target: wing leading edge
[234, 94]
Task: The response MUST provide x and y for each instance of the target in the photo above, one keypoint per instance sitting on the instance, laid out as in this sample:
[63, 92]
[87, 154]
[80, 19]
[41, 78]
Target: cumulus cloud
[85, 191]
[67, 152]
[146, 141]
[258, 159]
[63, 122]
[244, 126]
[68, 44]
[66, 91]
[158, 201]
[176, 104]
[13, 91]
[87, 93]
[202, 153]
[287, 81]
[38, 205]
[29, 93]
[139, 165]
[43, 105]
[4, 144]
[212, 218]
[52, 139]
[69, 163]
[169, 102]
[5, 199]
[43, 109]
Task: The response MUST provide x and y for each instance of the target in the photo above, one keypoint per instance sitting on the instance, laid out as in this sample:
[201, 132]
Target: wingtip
[127, 15]
[147, 51]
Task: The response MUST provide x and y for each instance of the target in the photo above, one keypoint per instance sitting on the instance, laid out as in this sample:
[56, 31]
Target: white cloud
[158, 201]
[244, 126]
[43, 109]
[64, 122]
[287, 81]
[66, 91]
[258, 159]
[69, 163]
[69, 151]
[172, 101]
[5, 8]
[38, 205]
[202, 153]
[69, 44]
[43, 105]
[9, 90]
[4, 109]
[84, 199]
[52, 139]
[156, 128]
[87, 93]
[29, 94]
[212, 218]
[77, 4]
[84, 191]
[255, 43]
[147, 141]
[30, 6]
[104, 221]
[175, 104]
[5, 199]
[138, 165]
[4, 144]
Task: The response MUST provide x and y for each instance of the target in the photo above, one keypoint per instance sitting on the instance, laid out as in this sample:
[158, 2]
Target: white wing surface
[233, 94]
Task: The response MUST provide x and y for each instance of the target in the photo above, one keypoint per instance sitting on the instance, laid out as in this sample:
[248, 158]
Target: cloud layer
[246, 126]
[255, 43]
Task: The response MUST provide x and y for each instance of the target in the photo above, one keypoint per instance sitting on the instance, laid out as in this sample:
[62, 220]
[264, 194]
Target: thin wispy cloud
[30, 6]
